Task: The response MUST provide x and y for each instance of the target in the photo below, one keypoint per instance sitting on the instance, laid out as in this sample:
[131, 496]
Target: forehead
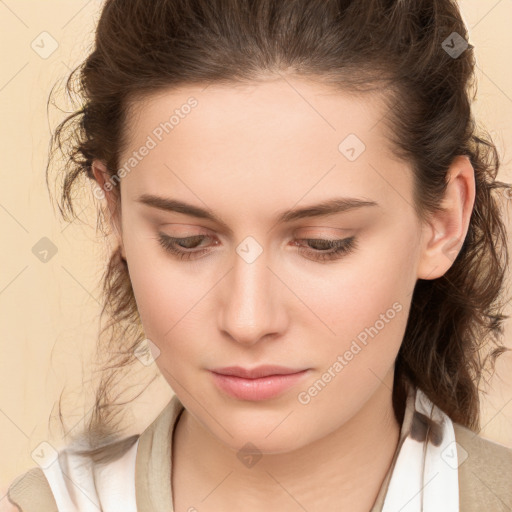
[285, 138]
[287, 106]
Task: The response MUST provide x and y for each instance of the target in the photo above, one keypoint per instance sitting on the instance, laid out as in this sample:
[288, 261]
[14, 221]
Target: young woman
[310, 248]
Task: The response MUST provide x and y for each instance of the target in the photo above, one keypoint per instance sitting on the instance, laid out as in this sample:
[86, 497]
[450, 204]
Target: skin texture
[247, 153]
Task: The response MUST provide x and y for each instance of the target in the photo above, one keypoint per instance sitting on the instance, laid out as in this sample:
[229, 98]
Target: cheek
[165, 299]
[353, 295]
[171, 307]
[166, 293]
[364, 308]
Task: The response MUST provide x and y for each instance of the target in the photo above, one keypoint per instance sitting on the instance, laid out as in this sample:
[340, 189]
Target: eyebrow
[327, 207]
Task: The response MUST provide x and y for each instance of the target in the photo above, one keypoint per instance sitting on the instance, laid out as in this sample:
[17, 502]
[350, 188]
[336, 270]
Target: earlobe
[447, 228]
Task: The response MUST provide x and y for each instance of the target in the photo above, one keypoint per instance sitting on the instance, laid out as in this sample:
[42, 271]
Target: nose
[252, 308]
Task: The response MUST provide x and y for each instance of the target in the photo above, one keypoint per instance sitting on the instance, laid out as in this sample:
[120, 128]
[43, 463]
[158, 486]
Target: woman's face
[248, 288]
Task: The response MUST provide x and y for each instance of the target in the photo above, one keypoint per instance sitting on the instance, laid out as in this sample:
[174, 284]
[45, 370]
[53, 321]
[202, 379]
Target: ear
[113, 197]
[446, 230]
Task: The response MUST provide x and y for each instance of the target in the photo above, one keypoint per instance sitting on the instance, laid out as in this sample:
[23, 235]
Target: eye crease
[326, 249]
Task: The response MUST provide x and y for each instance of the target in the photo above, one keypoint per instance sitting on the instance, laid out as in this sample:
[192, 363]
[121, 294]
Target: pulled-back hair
[415, 54]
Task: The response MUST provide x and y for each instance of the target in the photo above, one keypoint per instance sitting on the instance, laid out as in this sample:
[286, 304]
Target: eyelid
[325, 230]
[188, 229]
[338, 248]
[297, 235]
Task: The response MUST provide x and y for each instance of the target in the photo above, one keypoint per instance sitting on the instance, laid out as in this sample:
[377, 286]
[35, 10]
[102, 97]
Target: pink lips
[257, 384]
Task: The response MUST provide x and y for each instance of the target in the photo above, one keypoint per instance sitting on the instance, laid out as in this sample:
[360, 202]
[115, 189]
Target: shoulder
[29, 491]
[104, 475]
[485, 472]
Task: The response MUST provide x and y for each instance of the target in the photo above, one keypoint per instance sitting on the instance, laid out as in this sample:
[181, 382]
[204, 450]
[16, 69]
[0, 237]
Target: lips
[263, 382]
[257, 372]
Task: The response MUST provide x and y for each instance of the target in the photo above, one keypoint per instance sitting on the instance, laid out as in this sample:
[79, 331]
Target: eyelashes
[337, 248]
[330, 250]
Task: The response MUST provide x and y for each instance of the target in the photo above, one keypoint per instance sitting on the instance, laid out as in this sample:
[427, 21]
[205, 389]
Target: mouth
[257, 372]
[257, 388]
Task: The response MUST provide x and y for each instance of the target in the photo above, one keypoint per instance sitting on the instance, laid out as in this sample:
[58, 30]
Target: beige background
[49, 311]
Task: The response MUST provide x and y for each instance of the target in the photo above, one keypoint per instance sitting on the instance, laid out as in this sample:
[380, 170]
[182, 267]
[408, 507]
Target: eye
[326, 250]
[171, 244]
[329, 249]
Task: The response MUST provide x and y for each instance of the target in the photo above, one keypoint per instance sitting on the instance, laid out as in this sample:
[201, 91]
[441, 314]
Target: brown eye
[318, 249]
[181, 247]
[328, 250]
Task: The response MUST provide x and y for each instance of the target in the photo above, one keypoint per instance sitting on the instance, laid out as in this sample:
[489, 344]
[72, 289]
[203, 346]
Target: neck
[341, 471]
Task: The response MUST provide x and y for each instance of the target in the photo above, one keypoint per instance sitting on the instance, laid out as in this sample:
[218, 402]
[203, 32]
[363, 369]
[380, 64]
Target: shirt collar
[154, 458]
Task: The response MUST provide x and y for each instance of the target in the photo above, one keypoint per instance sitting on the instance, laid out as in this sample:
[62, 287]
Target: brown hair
[407, 49]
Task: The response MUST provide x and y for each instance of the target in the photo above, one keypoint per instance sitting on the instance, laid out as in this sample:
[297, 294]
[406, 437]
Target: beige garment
[485, 475]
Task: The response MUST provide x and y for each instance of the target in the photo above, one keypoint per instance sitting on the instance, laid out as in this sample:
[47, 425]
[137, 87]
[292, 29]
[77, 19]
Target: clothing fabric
[437, 466]
[425, 477]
